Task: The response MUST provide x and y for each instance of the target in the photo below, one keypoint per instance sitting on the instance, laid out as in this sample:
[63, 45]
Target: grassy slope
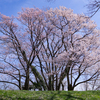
[49, 95]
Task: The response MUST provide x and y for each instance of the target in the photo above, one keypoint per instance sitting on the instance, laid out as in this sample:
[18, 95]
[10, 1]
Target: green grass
[49, 95]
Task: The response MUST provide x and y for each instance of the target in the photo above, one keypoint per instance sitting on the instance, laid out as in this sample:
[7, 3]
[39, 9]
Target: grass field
[49, 95]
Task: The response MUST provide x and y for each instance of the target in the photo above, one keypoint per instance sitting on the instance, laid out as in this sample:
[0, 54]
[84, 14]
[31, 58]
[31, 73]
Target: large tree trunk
[37, 75]
[70, 87]
[69, 79]
[26, 85]
[49, 84]
[62, 87]
[20, 87]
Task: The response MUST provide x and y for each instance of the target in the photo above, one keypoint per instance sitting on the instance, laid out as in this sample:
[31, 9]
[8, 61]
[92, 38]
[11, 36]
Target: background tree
[93, 7]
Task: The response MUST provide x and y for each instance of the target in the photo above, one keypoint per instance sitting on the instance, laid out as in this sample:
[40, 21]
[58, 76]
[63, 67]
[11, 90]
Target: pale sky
[12, 7]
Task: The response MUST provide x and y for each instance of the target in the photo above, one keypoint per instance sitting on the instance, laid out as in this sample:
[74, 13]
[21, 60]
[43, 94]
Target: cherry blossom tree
[71, 43]
[46, 47]
[23, 41]
[93, 7]
[81, 54]
[74, 46]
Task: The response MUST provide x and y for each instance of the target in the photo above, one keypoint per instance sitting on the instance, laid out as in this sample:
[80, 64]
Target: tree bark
[70, 87]
[26, 86]
[37, 75]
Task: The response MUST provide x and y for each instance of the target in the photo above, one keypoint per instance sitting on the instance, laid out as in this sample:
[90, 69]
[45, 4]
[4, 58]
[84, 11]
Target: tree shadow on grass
[55, 96]
[70, 97]
[17, 98]
[8, 98]
[67, 96]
